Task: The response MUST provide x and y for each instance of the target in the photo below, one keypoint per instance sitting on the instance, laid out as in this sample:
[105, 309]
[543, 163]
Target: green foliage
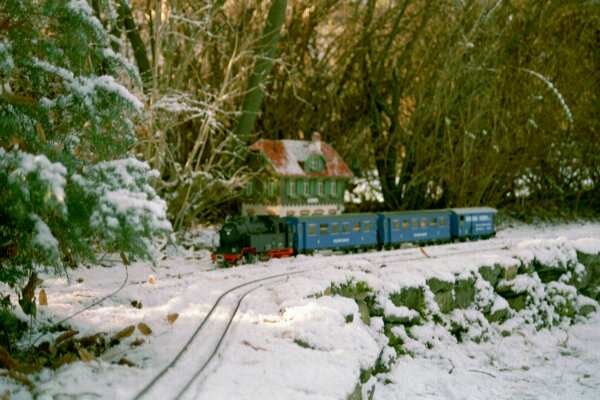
[411, 297]
[11, 328]
[359, 292]
[67, 188]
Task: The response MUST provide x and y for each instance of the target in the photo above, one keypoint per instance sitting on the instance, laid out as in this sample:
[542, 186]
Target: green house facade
[301, 178]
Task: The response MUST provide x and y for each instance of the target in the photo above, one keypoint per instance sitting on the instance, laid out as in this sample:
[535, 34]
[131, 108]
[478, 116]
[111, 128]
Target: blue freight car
[473, 222]
[336, 232]
[400, 227]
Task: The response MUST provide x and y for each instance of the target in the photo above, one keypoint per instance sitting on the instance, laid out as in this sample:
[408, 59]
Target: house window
[346, 227]
[272, 187]
[291, 187]
[320, 188]
[249, 188]
[333, 188]
[323, 229]
[312, 230]
[306, 188]
[299, 187]
[356, 227]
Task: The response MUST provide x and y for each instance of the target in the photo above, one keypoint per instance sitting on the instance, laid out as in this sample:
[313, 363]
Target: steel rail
[185, 348]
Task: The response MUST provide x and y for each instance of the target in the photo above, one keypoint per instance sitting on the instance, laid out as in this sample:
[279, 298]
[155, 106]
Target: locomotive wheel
[249, 258]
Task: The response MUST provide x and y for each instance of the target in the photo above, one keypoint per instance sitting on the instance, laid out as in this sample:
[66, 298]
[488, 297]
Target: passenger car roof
[474, 210]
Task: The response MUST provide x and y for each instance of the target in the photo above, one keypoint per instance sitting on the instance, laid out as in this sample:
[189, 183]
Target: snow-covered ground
[287, 342]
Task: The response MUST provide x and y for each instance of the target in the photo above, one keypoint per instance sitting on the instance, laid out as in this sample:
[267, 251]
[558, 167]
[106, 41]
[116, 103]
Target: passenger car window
[335, 228]
[434, 221]
[415, 224]
[405, 224]
[312, 229]
[324, 229]
[423, 222]
[396, 225]
[346, 227]
[356, 227]
[367, 227]
[442, 221]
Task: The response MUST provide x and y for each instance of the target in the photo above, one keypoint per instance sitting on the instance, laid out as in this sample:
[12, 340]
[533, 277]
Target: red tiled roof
[285, 157]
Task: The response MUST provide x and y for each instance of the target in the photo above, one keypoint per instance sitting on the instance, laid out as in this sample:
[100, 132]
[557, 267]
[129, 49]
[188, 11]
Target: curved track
[393, 256]
[146, 390]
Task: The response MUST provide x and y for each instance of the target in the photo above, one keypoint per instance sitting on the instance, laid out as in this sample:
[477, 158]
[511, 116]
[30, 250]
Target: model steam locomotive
[247, 239]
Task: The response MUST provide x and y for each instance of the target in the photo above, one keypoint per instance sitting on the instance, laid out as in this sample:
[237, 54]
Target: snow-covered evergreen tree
[67, 186]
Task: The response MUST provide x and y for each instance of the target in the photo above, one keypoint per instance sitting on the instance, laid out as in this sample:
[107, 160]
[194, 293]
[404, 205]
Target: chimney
[316, 137]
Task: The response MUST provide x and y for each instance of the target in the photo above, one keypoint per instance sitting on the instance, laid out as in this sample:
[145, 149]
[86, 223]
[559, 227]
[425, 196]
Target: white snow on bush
[24, 164]
[43, 236]
[125, 195]
[90, 87]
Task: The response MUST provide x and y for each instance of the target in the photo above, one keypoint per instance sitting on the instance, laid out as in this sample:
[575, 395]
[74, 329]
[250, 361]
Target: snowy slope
[287, 343]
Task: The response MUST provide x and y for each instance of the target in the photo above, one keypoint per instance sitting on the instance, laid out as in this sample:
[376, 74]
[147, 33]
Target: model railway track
[255, 284]
[216, 348]
[260, 282]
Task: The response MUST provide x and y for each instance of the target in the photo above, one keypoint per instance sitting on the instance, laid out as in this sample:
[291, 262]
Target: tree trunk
[137, 44]
[264, 64]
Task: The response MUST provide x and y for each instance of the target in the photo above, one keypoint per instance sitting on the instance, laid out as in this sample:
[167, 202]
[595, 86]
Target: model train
[247, 239]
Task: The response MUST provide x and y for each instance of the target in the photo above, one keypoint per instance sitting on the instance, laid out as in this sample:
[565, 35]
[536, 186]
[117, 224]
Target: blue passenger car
[473, 223]
[400, 227]
[337, 232]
